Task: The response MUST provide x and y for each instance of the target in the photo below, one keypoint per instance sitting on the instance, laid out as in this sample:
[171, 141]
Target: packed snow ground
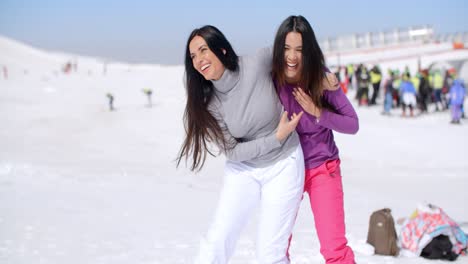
[80, 184]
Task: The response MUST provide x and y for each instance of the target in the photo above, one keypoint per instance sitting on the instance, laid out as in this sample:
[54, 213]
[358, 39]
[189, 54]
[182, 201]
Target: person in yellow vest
[376, 78]
[416, 81]
[438, 84]
[350, 70]
[148, 93]
[396, 87]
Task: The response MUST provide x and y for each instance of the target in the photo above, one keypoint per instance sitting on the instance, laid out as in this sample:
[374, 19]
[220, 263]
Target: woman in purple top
[303, 84]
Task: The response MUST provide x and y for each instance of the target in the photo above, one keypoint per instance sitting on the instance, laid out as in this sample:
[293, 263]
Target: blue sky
[151, 31]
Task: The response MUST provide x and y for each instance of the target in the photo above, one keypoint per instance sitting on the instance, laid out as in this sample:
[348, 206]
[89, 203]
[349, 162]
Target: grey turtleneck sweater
[248, 110]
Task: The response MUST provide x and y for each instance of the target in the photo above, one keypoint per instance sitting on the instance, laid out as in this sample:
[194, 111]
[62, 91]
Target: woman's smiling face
[293, 57]
[204, 60]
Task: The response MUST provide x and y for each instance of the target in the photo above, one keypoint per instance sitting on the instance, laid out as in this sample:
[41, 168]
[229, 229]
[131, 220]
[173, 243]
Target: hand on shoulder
[330, 82]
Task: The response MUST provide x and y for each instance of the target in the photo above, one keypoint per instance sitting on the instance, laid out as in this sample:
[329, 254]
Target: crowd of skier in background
[419, 93]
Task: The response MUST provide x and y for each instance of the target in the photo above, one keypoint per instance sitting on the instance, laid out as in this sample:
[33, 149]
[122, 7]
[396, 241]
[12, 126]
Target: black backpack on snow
[439, 248]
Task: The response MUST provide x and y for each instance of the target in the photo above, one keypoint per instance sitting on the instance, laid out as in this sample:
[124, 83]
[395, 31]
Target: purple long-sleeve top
[316, 135]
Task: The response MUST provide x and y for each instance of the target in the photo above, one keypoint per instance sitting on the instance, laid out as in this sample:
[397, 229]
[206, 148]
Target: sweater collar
[228, 80]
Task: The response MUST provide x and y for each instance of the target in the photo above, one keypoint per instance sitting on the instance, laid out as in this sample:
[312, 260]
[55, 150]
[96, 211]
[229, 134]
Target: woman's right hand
[286, 126]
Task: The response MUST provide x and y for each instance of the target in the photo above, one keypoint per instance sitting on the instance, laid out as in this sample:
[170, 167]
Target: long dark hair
[200, 125]
[313, 62]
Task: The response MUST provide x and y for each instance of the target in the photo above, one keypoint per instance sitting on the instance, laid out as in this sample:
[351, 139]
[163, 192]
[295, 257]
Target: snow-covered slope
[80, 184]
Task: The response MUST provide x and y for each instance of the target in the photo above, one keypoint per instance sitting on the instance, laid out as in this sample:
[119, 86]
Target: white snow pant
[275, 190]
[409, 99]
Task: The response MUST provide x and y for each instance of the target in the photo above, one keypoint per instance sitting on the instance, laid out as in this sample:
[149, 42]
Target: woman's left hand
[330, 82]
[306, 102]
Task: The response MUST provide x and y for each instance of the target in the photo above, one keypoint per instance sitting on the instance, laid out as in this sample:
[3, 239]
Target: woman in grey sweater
[231, 102]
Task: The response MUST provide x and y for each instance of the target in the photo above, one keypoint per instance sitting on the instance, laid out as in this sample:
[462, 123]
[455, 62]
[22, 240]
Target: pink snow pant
[325, 189]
